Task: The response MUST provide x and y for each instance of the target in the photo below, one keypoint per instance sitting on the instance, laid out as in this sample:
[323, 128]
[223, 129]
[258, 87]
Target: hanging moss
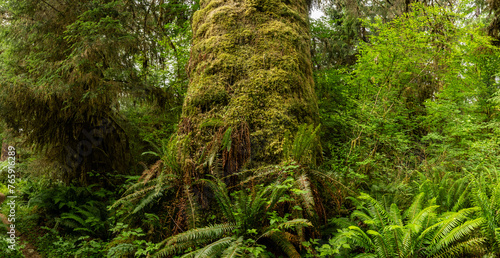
[250, 69]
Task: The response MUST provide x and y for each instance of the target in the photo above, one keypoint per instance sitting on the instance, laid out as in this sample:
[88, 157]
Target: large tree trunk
[250, 79]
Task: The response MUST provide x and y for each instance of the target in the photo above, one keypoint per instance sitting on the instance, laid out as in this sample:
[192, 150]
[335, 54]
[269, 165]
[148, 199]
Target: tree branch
[51, 6]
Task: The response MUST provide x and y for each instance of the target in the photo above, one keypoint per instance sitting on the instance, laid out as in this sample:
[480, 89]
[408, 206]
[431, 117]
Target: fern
[234, 250]
[283, 243]
[486, 196]
[473, 245]
[162, 181]
[226, 139]
[245, 213]
[375, 210]
[220, 193]
[419, 232]
[192, 237]
[121, 250]
[303, 144]
[215, 248]
[458, 233]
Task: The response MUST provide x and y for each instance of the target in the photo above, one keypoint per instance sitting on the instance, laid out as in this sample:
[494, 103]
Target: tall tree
[65, 64]
[250, 82]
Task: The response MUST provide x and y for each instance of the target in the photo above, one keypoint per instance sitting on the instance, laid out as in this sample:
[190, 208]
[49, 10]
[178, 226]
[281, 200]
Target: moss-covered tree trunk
[250, 82]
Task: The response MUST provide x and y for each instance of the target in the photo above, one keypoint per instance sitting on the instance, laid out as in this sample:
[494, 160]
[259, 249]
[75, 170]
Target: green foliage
[248, 219]
[303, 188]
[76, 208]
[338, 111]
[486, 196]
[335, 38]
[89, 248]
[4, 246]
[153, 111]
[417, 232]
[394, 79]
[129, 242]
[67, 67]
[410, 77]
[89, 218]
[302, 148]
[163, 181]
[52, 244]
[451, 191]
[58, 84]
[408, 100]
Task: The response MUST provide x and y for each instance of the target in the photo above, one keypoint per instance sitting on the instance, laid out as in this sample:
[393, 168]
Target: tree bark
[5, 151]
[250, 81]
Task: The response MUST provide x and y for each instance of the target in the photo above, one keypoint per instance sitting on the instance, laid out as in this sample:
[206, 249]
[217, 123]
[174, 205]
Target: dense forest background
[153, 128]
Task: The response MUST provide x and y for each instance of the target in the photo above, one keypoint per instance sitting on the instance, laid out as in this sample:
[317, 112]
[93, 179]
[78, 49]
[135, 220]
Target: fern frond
[381, 246]
[139, 190]
[177, 243]
[285, 245]
[415, 207]
[181, 247]
[276, 193]
[258, 203]
[354, 235]
[419, 219]
[376, 210]
[331, 179]
[487, 209]
[450, 221]
[234, 249]
[146, 201]
[295, 223]
[221, 196]
[456, 234]
[72, 216]
[470, 246]
[192, 254]
[366, 255]
[461, 199]
[363, 217]
[395, 215]
[462, 190]
[407, 243]
[215, 248]
[306, 195]
[342, 222]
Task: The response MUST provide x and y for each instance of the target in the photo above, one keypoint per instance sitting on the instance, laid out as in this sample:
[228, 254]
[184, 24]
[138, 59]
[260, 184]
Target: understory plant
[486, 196]
[419, 231]
[248, 220]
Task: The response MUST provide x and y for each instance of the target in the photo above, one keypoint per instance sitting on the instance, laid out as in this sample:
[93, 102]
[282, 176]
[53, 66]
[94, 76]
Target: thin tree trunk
[5, 151]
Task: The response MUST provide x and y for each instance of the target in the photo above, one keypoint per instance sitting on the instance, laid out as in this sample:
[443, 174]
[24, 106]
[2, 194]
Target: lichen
[250, 69]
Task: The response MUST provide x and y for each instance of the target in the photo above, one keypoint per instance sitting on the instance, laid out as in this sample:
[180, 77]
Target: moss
[211, 122]
[250, 65]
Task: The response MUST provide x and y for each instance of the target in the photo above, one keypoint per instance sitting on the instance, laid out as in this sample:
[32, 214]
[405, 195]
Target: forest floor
[29, 251]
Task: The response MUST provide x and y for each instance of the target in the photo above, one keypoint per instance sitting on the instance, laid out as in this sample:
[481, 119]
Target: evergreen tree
[65, 66]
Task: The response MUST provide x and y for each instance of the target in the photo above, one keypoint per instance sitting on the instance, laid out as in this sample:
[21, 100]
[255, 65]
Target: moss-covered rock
[250, 70]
